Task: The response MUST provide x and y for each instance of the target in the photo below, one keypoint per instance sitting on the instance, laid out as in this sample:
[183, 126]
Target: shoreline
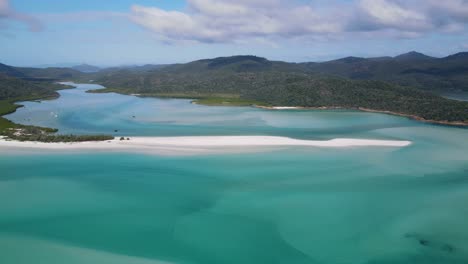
[413, 117]
[417, 118]
[363, 109]
[16, 104]
[200, 144]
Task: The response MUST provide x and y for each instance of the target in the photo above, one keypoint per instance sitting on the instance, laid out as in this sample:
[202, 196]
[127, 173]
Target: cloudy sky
[105, 32]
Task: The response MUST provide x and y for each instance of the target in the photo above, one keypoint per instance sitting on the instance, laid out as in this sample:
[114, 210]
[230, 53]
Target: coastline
[13, 104]
[199, 144]
[12, 130]
[414, 117]
[226, 101]
[230, 141]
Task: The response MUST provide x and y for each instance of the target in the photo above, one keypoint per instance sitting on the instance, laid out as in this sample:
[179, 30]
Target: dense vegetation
[6, 107]
[253, 80]
[31, 133]
[38, 74]
[400, 85]
[412, 69]
[13, 89]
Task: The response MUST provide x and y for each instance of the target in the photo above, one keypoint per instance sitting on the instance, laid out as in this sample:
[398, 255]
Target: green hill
[413, 56]
[398, 85]
[22, 84]
[239, 64]
[247, 79]
[411, 69]
[11, 71]
[13, 89]
[86, 68]
[40, 74]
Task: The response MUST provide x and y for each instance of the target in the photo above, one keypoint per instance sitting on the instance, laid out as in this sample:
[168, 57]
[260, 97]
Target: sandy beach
[199, 144]
[284, 107]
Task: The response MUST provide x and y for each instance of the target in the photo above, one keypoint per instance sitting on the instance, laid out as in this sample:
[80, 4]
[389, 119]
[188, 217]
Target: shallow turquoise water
[297, 205]
[80, 112]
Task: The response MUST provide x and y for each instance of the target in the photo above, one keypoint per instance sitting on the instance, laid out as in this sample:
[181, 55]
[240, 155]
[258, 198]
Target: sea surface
[370, 205]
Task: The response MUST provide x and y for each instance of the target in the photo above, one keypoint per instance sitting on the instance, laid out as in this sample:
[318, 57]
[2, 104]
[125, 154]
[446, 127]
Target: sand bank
[284, 107]
[199, 144]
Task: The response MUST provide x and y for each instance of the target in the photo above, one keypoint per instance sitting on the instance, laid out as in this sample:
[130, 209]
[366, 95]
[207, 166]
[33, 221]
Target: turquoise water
[83, 113]
[297, 205]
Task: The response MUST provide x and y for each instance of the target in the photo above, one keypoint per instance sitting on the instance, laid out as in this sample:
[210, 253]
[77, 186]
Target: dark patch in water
[431, 244]
[423, 242]
[448, 248]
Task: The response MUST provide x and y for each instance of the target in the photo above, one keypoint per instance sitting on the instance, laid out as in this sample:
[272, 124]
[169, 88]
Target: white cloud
[219, 8]
[229, 21]
[240, 20]
[7, 13]
[172, 24]
[455, 9]
[390, 14]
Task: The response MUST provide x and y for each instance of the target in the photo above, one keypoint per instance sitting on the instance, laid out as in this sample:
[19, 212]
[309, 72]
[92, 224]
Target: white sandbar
[200, 144]
[284, 107]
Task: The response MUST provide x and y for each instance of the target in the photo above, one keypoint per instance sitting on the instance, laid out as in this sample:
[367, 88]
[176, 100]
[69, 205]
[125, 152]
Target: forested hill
[18, 83]
[253, 79]
[12, 88]
[40, 74]
[21, 84]
[233, 64]
[411, 69]
[86, 68]
[32, 84]
[395, 84]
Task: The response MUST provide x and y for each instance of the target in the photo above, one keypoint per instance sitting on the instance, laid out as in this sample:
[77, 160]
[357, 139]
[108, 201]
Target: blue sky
[106, 33]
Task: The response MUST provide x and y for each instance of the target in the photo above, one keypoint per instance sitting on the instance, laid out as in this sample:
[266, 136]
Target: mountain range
[86, 68]
[407, 84]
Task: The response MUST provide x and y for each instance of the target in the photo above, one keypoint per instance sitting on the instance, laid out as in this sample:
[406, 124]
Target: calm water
[333, 206]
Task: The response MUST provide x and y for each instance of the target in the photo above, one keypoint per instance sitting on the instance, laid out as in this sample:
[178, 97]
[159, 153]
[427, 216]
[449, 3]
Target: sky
[131, 32]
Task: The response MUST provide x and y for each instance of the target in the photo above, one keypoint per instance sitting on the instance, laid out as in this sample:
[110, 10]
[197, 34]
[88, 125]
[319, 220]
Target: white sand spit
[284, 107]
[200, 144]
